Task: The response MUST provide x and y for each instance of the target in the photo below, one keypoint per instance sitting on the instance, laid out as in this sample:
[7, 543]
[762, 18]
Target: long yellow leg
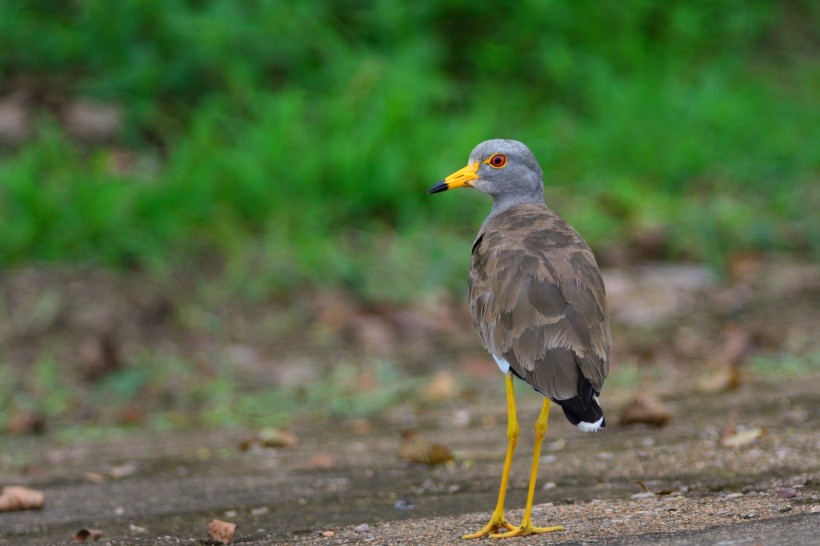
[526, 527]
[497, 520]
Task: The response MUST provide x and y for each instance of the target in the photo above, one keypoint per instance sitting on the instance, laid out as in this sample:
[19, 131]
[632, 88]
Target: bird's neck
[502, 203]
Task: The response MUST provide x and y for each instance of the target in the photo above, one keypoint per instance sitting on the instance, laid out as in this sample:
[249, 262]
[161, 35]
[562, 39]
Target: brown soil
[625, 483]
[735, 462]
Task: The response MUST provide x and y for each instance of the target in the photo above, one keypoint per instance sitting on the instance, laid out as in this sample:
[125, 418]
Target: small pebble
[363, 528]
[815, 509]
[786, 493]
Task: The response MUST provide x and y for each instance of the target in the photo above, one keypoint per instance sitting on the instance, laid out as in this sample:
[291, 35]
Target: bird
[538, 304]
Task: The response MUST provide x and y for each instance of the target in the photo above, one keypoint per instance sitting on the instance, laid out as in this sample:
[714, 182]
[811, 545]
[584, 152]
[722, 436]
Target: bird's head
[504, 169]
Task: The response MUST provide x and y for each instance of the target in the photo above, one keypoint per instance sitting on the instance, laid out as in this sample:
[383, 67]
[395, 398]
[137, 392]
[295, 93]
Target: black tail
[586, 418]
[583, 410]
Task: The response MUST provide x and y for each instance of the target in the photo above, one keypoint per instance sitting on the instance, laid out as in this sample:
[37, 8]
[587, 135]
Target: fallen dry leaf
[743, 267]
[15, 497]
[137, 529]
[742, 438]
[361, 426]
[84, 534]
[647, 492]
[122, 471]
[418, 449]
[723, 381]
[221, 531]
[26, 423]
[645, 408]
[271, 437]
[131, 415]
[321, 460]
[442, 386]
[94, 477]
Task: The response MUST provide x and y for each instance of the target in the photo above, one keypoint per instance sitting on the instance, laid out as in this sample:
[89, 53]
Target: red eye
[497, 160]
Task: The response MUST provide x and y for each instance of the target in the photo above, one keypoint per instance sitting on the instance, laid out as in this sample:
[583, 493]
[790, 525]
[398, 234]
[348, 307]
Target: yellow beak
[462, 178]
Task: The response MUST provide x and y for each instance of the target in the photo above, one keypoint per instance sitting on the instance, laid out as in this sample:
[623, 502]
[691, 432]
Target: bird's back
[539, 305]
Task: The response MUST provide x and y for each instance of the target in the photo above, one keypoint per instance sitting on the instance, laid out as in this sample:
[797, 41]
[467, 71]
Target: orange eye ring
[497, 161]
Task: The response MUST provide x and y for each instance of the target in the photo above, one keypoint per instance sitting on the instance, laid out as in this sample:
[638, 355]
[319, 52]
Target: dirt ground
[626, 485]
[738, 461]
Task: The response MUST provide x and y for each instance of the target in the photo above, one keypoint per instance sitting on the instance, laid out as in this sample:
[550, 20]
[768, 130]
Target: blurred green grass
[293, 143]
[284, 147]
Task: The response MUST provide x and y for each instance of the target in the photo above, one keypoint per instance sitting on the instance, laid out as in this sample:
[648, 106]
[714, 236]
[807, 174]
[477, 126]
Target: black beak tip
[437, 188]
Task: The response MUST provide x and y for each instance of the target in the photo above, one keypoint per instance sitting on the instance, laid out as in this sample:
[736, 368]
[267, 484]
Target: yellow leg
[526, 527]
[497, 520]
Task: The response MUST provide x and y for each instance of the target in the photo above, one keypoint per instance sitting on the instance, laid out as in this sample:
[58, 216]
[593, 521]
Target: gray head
[504, 169]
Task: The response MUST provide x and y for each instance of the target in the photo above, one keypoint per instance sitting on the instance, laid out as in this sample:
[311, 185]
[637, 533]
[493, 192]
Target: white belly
[503, 365]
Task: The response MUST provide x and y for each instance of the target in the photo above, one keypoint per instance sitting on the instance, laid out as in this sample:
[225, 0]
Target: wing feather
[538, 301]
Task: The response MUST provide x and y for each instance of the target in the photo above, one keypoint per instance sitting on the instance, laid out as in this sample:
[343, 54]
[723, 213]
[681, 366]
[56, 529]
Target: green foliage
[297, 139]
[785, 364]
[171, 393]
[44, 391]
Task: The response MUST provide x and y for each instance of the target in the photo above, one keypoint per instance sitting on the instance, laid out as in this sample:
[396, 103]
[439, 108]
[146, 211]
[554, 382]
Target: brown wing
[538, 301]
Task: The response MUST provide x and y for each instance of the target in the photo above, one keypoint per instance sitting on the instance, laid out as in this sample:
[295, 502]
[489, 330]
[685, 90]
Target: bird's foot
[496, 523]
[526, 528]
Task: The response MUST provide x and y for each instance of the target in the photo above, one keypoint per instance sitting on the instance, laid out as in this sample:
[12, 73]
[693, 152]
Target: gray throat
[503, 203]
